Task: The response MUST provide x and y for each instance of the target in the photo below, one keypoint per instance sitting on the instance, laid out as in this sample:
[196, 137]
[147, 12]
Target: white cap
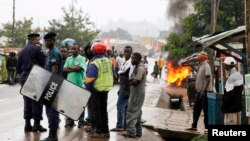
[229, 61]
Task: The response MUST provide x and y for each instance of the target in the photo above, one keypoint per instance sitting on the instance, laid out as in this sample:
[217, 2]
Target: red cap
[99, 48]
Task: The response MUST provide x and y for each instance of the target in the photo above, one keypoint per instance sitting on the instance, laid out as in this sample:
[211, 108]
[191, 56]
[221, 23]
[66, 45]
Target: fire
[176, 74]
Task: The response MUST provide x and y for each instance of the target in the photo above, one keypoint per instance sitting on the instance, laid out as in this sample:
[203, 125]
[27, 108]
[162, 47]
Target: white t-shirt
[125, 66]
[120, 60]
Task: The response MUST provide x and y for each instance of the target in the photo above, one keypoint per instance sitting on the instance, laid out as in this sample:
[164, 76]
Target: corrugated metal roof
[209, 40]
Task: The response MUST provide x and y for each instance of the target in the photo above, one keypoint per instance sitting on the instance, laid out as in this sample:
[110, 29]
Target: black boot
[52, 136]
[69, 123]
[27, 127]
[37, 127]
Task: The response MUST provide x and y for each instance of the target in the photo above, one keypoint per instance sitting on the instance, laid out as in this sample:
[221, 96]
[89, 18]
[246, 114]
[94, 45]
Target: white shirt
[125, 66]
[120, 60]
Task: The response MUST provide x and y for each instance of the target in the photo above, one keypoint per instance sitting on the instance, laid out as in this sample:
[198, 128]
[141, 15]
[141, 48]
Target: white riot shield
[51, 89]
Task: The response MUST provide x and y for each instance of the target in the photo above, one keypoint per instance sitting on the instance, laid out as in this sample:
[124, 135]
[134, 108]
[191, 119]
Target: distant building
[3, 41]
[163, 34]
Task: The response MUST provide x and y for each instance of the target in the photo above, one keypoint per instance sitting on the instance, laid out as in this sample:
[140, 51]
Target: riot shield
[52, 90]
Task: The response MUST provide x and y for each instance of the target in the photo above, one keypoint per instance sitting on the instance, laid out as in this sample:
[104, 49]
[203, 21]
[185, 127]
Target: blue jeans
[122, 105]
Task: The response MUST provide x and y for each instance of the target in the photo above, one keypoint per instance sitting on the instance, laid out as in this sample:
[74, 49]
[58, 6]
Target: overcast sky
[100, 11]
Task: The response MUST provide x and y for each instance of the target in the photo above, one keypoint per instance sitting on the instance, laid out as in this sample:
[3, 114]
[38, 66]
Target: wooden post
[13, 25]
[214, 9]
[247, 23]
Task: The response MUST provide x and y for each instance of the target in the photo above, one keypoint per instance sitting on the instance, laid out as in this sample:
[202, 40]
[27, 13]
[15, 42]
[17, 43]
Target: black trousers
[32, 108]
[99, 112]
[201, 103]
[90, 107]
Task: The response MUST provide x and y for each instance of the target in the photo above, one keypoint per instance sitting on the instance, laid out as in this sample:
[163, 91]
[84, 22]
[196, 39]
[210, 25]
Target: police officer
[99, 80]
[53, 64]
[30, 55]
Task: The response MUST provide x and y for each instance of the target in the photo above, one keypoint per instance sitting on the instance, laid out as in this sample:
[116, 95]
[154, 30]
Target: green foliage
[229, 16]
[3, 71]
[22, 28]
[118, 33]
[200, 138]
[179, 45]
[75, 24]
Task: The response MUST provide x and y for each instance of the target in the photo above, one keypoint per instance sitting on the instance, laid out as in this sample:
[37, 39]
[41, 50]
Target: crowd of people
[97, 70]
[231, 104]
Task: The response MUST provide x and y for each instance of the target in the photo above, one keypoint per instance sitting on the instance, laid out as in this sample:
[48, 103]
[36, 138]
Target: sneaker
[27, 128]
[38, 128]
[117, 129]
[128, 135]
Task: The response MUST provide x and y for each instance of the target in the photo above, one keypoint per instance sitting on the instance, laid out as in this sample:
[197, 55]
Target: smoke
[178, 10]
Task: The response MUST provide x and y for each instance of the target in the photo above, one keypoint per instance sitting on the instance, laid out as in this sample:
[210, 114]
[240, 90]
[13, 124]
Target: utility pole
[247, 23]
[13, 25]
[214, 10]
[73, 19]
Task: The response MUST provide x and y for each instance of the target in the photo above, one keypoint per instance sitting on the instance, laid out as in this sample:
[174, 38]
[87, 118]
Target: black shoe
[27, 128]
[52, 135]
[50, 139]
[80, 124]
[38, 128]
[69, 124]
[87, 123]
[128, 135]
[138, 135]
[100, 135]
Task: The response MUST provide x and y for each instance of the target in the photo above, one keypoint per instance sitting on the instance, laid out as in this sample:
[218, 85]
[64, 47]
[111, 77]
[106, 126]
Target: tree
[74, 25]
[118, 33]
[22, 28]
[230, 15]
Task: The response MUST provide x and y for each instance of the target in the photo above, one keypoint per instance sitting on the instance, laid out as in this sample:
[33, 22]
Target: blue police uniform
[53, 58]
[29, 56]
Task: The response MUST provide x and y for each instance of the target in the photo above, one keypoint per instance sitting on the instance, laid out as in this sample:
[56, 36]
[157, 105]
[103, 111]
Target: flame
[176, 74]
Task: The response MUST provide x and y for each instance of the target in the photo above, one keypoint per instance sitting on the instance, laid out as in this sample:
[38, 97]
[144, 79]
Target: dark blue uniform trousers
[32, 108]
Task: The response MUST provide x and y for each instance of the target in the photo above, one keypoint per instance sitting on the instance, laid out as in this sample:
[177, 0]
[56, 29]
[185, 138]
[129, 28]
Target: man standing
[145, 62]
[99, 80]
[11, 65]
[64, 53]
[136, 98]
[125, 72]
[232, 98]
[29, 56]
[74, 67]
[89, 56]
[203, 85]
[53, 64]
[160, 64]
